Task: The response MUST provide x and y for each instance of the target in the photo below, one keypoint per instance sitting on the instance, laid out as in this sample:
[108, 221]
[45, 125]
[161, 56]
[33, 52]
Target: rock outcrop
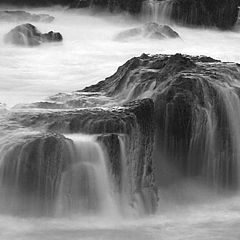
[132, 122]
[132, 6]
[149, 30]
[29, 35]
[194, 97]
[217, 13]
[17, 16]
[172, 114]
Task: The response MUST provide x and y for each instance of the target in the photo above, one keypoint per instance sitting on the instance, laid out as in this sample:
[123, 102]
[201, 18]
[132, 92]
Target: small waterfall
[85, 187]
[55, 175]
[30, 170]
[52, 175]
[207, 147]
[134, 201]
[157, 11]
[124, 179]
[216, 139]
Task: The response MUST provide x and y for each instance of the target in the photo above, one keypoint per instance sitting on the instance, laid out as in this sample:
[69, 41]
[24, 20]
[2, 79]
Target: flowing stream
[87, 55]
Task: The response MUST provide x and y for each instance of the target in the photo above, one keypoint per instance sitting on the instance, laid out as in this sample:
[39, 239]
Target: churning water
[87, 55]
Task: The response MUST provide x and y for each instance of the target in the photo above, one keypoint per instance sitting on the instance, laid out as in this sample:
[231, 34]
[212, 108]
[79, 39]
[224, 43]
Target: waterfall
[124, 178]
[47, 174]
[52, 175]
[30, 170]
[86, 187]
[157, 11]
[201, 140]
[216, 139]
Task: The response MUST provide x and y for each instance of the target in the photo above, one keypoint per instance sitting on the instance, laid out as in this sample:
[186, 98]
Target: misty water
[88, 54]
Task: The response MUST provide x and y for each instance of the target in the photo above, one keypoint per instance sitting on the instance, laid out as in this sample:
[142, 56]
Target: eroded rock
[194, 98]
[149, 30]
[28, 35]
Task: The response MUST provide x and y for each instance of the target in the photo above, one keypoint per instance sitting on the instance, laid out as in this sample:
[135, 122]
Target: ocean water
[88, 54]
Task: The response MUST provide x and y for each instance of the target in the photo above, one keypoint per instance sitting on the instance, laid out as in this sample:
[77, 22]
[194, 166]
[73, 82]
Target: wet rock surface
[192, 97]
[133, 121]
[28, 35]
[217, 13]
[149, 30]
[31, 168]
[157, 112]
[132, 6]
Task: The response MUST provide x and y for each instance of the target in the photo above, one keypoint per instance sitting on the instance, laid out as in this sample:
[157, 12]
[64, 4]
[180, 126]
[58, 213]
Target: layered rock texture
[28, 35]
[196, 127]
[126, 134]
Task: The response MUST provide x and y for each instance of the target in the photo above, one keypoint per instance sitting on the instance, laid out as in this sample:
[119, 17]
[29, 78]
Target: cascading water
[51, 175]
[157, 11]
[214, 145]
[30, 170]
[124, 182]
[85, 187]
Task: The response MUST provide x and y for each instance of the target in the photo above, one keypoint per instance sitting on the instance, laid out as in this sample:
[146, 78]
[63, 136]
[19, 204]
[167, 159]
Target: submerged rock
[149, 30]
[17, 16]
[29, 35]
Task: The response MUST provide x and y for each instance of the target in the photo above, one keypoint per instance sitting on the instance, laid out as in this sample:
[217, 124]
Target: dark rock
[174, 113]
[79, 4]
[193, 105]
[29, 35]
[52, 37]
[217, 13]
[30, 173]
[16, 16]
[132, 6]
[149, 30]
[133, 121]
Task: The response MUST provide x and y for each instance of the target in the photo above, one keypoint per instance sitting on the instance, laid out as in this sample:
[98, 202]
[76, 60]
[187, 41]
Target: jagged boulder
[16, 16]
[29, 35]
[149, 30]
